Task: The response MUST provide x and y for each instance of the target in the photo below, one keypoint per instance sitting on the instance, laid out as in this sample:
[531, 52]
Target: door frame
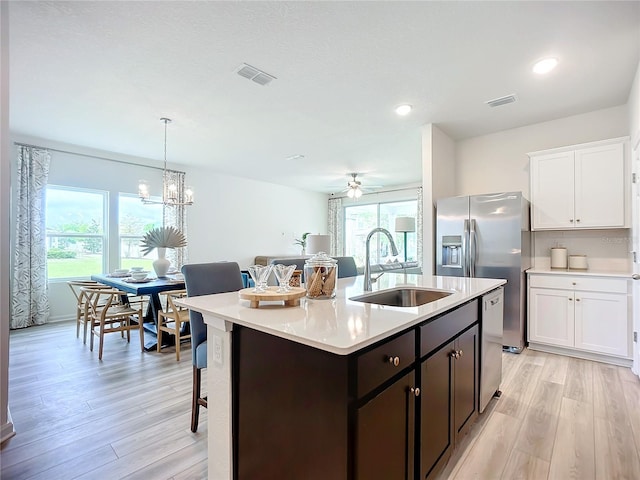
[635, 235]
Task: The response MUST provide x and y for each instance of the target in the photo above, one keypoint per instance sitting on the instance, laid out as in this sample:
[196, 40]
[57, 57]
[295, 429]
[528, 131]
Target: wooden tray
[291, 298]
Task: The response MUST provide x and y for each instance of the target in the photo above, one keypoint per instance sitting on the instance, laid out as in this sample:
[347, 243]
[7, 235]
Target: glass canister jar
[321, 276]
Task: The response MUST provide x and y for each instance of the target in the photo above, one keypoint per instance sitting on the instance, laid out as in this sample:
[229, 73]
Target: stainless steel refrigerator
[488, 236]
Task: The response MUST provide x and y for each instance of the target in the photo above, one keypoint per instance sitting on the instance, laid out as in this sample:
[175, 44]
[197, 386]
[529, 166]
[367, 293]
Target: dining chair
[106, 311]
[205, 279]
[346, 267]
[172, 319]
[81, 300]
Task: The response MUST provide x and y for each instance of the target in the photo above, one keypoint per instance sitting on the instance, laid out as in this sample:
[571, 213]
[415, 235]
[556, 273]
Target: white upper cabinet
[582, 186]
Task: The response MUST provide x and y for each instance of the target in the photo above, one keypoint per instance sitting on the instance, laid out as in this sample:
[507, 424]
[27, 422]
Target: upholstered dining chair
[205, 279]
[346, 265]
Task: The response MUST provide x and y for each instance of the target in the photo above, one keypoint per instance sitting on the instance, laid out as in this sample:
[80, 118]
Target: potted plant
[162, 238]
[302, 241]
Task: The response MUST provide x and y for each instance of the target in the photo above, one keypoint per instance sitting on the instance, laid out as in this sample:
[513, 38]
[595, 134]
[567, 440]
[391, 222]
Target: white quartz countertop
[588, 272]
[339, 325]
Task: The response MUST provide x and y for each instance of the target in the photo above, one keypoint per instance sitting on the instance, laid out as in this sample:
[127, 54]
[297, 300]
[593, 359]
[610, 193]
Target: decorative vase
[161, 264]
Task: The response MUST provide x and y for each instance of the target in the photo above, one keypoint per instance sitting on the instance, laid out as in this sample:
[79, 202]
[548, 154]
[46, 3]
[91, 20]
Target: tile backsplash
[605, 249]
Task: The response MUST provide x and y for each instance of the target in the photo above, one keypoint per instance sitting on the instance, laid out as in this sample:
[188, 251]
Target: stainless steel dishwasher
[491, 346]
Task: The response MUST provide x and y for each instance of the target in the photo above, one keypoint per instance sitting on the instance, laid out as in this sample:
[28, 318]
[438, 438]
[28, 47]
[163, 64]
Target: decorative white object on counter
[578, 262]
[558, 257]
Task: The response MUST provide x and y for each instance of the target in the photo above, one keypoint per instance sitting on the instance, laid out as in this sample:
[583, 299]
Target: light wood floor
[558, 418]
[76, 417]
[128, 416]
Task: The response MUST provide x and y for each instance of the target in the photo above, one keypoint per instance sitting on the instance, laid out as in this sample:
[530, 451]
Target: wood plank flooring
[76, 417]
[127, 417]
[558, 418]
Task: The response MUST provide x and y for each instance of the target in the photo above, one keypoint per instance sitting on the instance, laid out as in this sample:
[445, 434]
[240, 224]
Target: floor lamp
[405, 225]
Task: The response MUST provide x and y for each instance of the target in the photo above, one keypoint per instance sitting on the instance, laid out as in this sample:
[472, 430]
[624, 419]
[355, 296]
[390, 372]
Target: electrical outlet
[217, 349]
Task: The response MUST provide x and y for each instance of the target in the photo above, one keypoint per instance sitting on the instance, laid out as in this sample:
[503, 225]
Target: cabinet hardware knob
[577, 220]
[570, 298]
[460, 352]
[415, 391]
[395, 361]
[454, 354]
[577, 299]
[573, 283]
[571, 220]
[635, 276]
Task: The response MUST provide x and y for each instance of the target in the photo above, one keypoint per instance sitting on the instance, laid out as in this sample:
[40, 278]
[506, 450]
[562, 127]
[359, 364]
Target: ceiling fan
[354, 187]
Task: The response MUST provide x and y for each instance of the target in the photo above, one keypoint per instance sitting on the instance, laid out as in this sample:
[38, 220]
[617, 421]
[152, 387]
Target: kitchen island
[332, 388]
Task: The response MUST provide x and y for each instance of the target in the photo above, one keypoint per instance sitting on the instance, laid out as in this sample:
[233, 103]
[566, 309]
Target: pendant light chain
[169, 190]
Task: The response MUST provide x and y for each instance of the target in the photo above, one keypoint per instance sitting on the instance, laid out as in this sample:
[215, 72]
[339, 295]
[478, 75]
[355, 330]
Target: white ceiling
[101, 74]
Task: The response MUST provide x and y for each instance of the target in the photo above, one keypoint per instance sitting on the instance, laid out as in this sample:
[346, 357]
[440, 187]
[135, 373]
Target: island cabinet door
[385, 433]
[465, 380]
[436, 395]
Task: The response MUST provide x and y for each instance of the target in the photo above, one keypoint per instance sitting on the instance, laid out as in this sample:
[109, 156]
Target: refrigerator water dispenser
[452, 251]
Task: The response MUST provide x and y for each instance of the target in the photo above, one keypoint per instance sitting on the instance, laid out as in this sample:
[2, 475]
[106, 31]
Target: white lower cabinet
[580, 314]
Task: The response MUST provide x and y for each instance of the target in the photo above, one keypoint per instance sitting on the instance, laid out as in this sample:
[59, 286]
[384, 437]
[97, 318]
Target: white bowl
[120, 271]
[139, 275]
[137, 269]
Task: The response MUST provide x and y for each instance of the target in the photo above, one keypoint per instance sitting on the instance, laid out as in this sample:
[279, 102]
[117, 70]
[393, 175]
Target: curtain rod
[332, 195]
[94, 156]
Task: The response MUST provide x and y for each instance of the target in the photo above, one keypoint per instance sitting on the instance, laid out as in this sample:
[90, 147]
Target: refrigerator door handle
[473, 248]
[465, 249]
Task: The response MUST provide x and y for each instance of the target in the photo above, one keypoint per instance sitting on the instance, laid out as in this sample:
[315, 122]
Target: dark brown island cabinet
[392, 411]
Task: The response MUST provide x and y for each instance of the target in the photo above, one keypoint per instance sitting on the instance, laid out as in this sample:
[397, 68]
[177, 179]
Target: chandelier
[170, 194]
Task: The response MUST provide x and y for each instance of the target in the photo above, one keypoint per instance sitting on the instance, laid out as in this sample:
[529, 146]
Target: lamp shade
[405, 224]
[318, 243]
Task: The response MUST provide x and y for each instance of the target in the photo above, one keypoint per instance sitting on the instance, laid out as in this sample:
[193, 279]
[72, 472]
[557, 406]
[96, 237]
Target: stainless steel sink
[403, 296]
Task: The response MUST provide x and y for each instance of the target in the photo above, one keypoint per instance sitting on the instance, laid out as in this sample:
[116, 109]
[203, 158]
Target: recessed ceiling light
[295, 157]
[545, 65]
[403, 109]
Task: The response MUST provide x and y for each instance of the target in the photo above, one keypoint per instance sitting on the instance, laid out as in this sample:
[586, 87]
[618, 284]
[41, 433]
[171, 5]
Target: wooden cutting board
[290, 298]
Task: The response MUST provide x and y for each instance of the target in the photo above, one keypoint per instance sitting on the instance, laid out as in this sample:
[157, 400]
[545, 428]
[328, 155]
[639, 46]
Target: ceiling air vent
[496, 102]
[255, 74]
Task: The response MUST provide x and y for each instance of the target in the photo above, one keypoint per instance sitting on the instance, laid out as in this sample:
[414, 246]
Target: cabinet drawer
[587, 284]
[379, 364]
[444, 328]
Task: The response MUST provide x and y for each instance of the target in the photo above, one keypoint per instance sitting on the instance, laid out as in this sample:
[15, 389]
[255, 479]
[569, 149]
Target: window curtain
[419, 221]
[336, 226]
[29, 296]
[176, 216]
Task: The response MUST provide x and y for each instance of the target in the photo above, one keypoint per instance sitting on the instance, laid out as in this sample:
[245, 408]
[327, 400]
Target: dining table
[151, 287]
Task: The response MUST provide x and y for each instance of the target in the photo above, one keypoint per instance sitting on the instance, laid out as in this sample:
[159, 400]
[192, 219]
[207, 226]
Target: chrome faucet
[367, 262]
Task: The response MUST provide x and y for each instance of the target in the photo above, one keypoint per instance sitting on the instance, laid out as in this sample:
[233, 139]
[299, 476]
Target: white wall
[233, 219]
[498, 162]
[444, 166]
[633, 106]
[6, 426]
[237, 219]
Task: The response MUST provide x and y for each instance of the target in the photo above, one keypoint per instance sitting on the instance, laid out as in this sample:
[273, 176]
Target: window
[134, 219]
[80, 239]
[361, 219]
[76, 237]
